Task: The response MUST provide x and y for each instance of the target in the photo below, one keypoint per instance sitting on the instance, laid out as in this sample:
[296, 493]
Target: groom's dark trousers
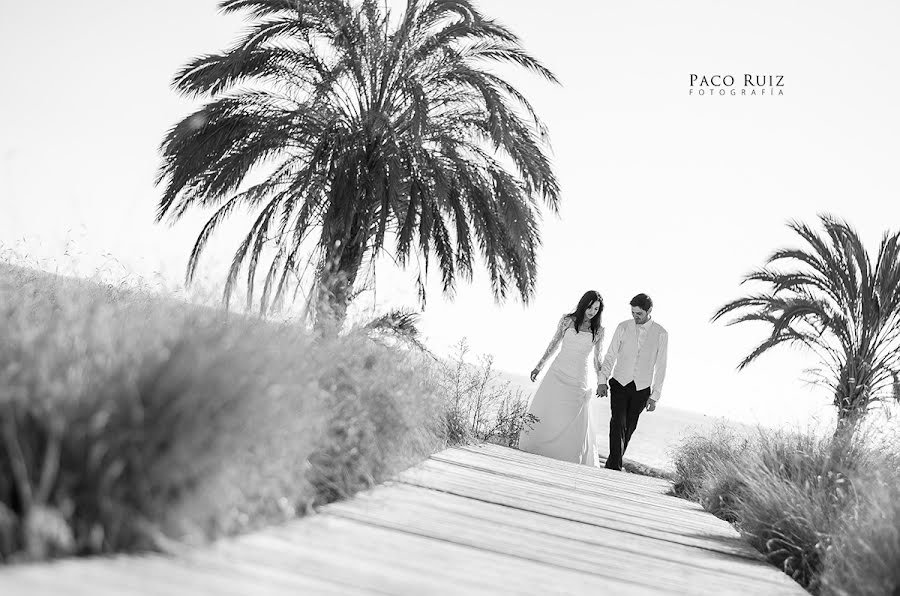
[626, 403]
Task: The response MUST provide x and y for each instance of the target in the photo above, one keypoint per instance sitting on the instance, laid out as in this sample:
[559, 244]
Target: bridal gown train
[569, 417]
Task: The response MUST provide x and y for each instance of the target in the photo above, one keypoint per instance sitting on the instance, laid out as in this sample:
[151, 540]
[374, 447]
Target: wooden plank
[324, 552]
[533, 537]
[575, 476]
[598, 483]
[610, 485]
[472, 520]
[159, 575]
[642, 519]
[252, 559]
[114, 575]
[417, 503]
[503, 454]
[404, 563]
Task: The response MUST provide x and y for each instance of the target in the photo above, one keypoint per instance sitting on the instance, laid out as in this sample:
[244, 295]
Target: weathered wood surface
[470, 520]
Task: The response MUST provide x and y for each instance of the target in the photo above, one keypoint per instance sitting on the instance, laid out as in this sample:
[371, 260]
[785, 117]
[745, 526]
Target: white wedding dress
[569, 417]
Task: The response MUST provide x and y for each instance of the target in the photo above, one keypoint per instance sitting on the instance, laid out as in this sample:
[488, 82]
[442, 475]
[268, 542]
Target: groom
[638, 353]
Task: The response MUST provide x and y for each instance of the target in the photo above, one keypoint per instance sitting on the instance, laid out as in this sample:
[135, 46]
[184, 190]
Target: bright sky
[674, 195]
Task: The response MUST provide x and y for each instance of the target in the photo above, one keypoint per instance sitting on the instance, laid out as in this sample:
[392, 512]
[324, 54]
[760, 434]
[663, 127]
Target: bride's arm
[598, 351]
[554, 343]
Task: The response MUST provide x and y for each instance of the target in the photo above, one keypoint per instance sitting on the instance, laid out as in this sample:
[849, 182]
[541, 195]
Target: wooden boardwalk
[471, 520]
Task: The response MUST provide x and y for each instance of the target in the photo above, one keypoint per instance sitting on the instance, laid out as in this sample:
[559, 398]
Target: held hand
[534, 374]
[602, 390]
[651, 405]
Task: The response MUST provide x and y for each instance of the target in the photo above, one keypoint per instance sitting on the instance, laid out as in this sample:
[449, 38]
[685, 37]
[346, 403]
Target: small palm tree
[370, 128]
[833, 298]
[399, 324]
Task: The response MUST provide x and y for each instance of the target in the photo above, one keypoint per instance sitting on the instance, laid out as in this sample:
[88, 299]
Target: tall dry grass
[479, 405]
[132, 421]
[863, 558]
[821, 508]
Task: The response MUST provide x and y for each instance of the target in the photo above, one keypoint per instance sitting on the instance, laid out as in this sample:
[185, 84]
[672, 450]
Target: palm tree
[834, 299]
[368, 129]
[399, 324]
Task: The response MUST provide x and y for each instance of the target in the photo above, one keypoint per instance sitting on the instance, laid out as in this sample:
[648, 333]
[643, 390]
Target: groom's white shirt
[637, 353]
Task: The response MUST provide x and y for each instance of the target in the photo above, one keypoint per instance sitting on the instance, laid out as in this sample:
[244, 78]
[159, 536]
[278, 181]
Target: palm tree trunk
[343, 259]
[852, 402]
[852, 395]
[847, 422]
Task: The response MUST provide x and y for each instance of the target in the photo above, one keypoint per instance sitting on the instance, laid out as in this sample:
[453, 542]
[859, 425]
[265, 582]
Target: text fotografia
[770, 85]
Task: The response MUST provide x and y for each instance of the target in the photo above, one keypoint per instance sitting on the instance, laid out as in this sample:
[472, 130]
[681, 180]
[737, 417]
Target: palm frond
[372, 128]
[400, 323]
[834, 300]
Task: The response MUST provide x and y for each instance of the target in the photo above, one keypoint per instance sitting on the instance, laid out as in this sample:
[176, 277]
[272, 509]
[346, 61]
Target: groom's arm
[611, 355]
[660, 375]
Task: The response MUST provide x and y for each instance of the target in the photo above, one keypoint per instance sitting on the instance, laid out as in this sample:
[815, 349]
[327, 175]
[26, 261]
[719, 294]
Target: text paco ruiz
[727, 84]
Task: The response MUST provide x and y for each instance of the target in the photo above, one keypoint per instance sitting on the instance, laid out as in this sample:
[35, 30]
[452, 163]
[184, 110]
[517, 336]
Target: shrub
[695, 457]
[382, 414]
[128, 422]
[864, 556]
[478, 406]
[800, 498]
[133, 421]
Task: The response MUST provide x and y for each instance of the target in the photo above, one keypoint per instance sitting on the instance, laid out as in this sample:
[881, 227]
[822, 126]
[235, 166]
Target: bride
[562, 403]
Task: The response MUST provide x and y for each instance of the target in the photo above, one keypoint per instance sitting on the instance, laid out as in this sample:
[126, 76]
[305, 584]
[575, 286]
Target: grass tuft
[132, 421]
[804, 500]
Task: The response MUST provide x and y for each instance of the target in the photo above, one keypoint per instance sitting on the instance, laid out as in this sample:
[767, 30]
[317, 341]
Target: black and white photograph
[451, 297]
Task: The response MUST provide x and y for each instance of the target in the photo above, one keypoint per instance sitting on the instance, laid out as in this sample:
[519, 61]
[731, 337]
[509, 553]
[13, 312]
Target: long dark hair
[589, 298]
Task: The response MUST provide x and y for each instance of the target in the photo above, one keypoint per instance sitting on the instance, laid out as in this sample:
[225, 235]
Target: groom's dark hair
[642, 301]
